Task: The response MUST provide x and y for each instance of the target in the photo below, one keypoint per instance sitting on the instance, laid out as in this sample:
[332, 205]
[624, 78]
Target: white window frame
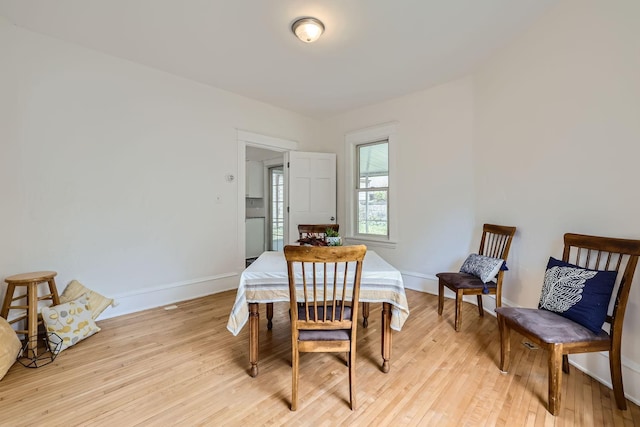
[388, 132]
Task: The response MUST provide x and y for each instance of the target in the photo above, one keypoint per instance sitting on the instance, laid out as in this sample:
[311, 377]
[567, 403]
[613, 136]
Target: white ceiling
[372, 50]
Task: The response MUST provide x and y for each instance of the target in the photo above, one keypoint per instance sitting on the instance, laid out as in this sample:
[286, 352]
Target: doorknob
[333, 218]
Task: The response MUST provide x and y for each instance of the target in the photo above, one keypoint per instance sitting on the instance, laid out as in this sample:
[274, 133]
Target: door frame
[251, 139]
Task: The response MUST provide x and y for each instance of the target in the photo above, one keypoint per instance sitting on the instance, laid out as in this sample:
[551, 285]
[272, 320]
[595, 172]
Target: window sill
[387, 244]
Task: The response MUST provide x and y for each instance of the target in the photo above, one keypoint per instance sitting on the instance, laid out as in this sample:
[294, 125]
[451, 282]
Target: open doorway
[306, 185]
[264, 202]
[270, 153]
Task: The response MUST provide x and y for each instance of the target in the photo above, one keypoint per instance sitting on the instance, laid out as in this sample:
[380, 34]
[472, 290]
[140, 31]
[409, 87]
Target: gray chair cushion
[319, 335]
[464, 281]
[550, 327]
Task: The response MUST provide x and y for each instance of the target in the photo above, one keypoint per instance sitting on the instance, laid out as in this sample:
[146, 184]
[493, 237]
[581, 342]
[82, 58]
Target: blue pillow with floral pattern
[577, 293]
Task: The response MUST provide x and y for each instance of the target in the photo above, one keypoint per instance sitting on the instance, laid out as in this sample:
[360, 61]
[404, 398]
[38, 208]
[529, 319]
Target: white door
[312, 190]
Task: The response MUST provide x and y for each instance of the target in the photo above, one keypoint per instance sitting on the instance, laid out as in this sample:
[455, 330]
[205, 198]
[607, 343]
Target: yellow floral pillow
[75, 290]
[71, 322]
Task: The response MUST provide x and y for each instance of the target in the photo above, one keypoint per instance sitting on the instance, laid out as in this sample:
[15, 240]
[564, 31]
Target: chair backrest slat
[315, 293]
[344, 291]
[588, 260]
[494, 243]
[619, 262]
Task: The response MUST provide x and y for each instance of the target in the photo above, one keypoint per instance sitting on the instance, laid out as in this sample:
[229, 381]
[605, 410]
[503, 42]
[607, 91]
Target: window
[372, 188]
[370, 176]
[276, 211]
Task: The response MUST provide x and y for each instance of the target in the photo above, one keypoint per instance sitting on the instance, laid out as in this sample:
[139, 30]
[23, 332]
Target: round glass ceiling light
[308, 29]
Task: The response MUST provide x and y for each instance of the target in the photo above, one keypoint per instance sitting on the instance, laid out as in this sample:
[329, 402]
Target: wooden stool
[31, 281]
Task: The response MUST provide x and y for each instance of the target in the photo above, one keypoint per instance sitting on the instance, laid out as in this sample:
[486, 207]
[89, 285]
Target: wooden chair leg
[505, 344]
[480, 308]
[615, 365]
[458, 320]
[295, 365]
[555, 378]
[440, 297]
[352, 379]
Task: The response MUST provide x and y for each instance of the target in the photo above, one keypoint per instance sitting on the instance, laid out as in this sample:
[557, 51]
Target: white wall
[110, 172]
[557, 143]
[435, 177]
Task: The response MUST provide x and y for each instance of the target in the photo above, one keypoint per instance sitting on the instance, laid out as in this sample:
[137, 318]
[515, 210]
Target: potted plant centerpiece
[333, 237]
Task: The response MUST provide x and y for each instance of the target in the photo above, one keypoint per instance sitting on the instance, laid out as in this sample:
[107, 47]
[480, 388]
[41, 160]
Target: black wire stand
[44, 353]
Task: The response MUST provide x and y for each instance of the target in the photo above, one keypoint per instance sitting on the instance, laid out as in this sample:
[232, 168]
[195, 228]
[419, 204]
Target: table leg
[386, 336]
[269, 315]
[254, 318]
[365, 314]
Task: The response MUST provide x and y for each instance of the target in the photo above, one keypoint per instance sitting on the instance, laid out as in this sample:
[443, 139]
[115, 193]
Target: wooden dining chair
[561, 336]
[495, 243]
[324, 288]
[315, 234]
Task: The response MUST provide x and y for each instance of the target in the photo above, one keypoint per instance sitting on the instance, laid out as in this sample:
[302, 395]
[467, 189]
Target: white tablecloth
[266, 281]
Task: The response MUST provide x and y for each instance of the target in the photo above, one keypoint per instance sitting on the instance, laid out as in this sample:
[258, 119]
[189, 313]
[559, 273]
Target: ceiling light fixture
[308, 29]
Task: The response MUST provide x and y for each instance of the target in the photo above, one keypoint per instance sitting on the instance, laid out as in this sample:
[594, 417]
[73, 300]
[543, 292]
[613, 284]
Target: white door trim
[252, 139]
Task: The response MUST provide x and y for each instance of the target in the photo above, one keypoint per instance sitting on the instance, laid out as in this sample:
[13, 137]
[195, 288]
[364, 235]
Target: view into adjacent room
[276, 208]
[264, 206]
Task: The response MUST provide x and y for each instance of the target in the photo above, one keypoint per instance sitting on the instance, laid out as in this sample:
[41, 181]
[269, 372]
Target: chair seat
[464, 281]
[324, 335]
[548, 326]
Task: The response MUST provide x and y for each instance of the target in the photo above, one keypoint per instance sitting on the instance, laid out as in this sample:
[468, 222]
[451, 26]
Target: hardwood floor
[182, 367]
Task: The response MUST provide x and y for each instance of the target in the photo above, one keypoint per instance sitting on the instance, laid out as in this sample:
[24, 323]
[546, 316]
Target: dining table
[266, 281]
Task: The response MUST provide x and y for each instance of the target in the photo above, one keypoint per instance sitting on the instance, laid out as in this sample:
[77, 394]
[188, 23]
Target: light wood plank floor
[182, 367]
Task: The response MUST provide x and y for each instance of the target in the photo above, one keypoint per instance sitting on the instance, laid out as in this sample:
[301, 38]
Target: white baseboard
[596, 365]
[420, 282]
[170, 293]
